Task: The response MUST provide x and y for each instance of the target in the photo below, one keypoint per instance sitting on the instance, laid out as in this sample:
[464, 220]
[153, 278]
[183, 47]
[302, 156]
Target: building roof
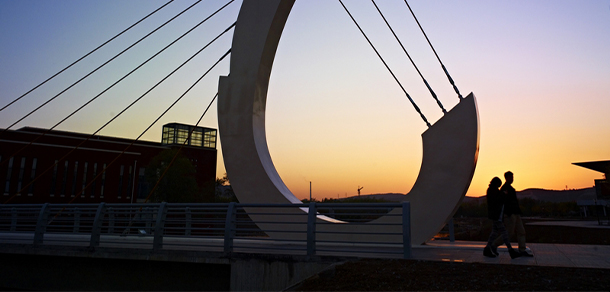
[61, 133]
[601, 166]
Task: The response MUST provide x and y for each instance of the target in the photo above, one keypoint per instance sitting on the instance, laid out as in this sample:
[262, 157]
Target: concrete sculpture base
[450, 146]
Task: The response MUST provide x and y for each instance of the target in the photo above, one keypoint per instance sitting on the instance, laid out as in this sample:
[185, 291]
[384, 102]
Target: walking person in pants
[495, 211]
[512, 215]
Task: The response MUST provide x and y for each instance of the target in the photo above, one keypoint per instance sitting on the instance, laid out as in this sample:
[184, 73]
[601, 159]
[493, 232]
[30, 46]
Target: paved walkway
[545, 254]
[581, 224]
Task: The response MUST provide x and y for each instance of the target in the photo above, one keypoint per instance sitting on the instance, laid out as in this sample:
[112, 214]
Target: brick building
[122, 182]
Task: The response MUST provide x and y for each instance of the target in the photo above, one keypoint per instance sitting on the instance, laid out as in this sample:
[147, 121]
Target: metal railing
[226, 228]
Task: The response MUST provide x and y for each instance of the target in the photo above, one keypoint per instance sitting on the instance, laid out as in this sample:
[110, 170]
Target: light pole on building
[310, 191]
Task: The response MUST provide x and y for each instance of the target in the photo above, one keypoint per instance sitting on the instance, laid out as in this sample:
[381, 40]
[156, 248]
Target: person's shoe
[487, 252]
[525, 254]
[494, 249]
[513, 253]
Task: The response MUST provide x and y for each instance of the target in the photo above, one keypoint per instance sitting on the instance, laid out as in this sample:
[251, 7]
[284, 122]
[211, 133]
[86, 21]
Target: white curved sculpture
[450, 146]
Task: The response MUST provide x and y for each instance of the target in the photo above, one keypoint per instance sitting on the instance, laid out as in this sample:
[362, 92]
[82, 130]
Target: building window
[82, 192]
[64, 180]
[103, 181]
[130, 183]
[54, 180]
[181, 135]
[121, 181]
[9, 171]
[94, 180]
[73, 193]
[32, 176]
[20, 180]
[168, 135]
[209, 138]
[196, 138]
[142, 184]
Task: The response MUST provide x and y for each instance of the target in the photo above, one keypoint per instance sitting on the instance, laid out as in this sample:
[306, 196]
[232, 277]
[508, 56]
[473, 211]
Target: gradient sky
[540, 71]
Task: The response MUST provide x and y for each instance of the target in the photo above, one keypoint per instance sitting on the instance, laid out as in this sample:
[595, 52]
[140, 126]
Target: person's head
[509, 177]
[495, 182]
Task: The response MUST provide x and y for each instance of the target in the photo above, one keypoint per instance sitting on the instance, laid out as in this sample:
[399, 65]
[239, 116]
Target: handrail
[223, 227]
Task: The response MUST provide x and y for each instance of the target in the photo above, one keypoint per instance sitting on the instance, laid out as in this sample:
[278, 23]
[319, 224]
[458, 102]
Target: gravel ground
[409, 275]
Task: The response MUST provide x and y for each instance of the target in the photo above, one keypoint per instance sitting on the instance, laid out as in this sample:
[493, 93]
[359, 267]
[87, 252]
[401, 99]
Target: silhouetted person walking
[512, 214]
[495, 212]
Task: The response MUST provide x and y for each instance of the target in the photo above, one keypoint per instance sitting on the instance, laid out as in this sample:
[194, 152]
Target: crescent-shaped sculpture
[450, 146]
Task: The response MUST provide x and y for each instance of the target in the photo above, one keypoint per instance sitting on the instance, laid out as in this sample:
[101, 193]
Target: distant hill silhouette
[391, 197]
[548, 195]
[558, 196]
[533, 193]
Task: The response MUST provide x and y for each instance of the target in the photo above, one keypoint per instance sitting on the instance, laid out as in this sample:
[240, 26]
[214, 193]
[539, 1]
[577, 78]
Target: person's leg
[488, 251]
[520, 232]
[495, 232]
[504, 235]
[510, 226]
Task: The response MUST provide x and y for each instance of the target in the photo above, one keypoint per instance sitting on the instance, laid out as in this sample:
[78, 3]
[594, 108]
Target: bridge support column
[311, 230]
[76, 220]
[406, 229]
[160, 226]
[96, 229]
[229, 229]
[41, 224]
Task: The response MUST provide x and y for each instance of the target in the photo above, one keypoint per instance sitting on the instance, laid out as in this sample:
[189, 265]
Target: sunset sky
[540, 71]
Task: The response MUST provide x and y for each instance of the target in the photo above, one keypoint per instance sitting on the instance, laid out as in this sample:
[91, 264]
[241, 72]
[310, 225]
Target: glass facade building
[178, 134]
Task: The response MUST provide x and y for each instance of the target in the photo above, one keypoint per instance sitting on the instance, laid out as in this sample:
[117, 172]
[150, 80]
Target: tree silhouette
[178, 185]
[224, 191]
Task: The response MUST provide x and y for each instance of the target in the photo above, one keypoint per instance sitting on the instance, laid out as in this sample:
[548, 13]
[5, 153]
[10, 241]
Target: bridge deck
[559, 255]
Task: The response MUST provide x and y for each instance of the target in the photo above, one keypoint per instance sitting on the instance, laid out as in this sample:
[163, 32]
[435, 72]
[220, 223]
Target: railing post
[187, 225]
[406, 229]
[311, 230]
[451, 230]
[159, 226]
[13, 219]
[110, 220]
[76, 220]
[41, 224]
[148, 219]
[229, 228]
[96, 229]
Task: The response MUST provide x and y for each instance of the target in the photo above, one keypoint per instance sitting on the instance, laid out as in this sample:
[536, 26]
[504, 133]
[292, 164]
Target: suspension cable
[437, 57]
[125, 76]
[111, 120]
[86, 55]
[179, 149]
[412, 62]
[386, 65]
[146, 130]
[128, 228]
[153, 123]
[142, 134]
[104, 64]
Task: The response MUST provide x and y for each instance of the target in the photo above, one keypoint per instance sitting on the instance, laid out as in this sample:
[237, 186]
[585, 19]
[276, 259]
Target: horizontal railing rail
[226, 228]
